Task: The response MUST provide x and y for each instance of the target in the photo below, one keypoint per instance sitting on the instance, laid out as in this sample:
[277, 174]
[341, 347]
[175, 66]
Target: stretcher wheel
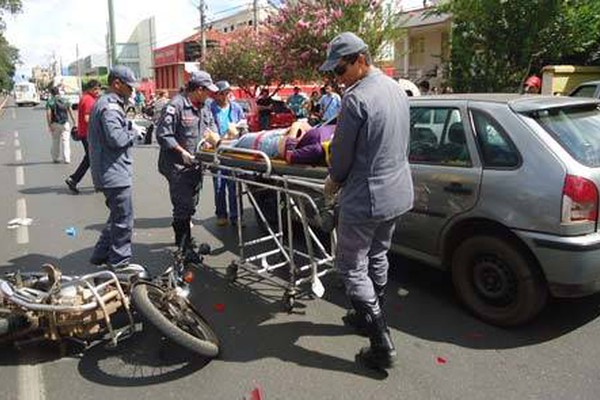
[232, 272]
[289, 300]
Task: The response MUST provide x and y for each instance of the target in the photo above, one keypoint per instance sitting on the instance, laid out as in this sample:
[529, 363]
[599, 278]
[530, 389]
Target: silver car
[506, 198]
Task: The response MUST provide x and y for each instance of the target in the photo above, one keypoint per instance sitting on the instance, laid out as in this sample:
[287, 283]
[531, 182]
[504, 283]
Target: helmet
[533, 81]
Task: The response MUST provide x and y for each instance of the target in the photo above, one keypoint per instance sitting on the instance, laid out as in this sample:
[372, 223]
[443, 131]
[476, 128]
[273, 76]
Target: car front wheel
[497, 282]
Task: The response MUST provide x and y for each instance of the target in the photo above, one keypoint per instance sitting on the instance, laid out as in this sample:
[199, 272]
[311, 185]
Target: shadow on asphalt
[421, 303]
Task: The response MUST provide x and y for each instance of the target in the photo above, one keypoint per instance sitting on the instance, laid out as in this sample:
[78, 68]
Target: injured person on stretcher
[298, 144]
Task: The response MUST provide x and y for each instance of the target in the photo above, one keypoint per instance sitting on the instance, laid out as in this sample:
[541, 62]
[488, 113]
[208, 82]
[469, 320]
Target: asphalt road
[444, 353]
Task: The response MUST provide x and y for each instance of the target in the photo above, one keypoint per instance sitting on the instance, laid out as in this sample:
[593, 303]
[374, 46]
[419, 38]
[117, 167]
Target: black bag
[60, 114]
[74, 134]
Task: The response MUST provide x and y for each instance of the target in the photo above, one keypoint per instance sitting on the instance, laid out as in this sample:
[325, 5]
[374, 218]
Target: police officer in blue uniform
[110, 140]
[369, 167]
[183, 123]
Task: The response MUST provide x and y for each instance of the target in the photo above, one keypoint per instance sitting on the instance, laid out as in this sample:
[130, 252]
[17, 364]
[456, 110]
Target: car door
[446, 175]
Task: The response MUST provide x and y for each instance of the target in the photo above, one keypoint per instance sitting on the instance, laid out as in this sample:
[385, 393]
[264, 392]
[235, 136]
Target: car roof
[517, 102]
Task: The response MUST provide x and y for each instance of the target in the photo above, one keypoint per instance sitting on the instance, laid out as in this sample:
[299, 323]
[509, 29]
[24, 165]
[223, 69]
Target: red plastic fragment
[219, 307]
[255, 394]
[440, 360]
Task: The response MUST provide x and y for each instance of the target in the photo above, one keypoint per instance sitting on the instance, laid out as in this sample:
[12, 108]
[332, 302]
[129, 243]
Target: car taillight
[580, 200]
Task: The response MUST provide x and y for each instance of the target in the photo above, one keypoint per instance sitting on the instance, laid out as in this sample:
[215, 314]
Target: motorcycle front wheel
[176, 318]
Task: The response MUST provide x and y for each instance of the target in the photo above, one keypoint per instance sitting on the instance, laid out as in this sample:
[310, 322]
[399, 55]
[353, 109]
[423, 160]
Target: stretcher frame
[253, 170]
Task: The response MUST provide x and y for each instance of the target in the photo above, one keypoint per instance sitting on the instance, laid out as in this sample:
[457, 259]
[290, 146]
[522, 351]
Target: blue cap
[223, 86]
[203, 79]
[124, 74]
[342, 45]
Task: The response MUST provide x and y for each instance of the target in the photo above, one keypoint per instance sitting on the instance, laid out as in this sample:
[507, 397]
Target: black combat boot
[381, 354]
[186, 243]
[360, 320]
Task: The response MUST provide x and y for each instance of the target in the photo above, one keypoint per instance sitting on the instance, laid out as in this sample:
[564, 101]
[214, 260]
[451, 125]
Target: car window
[585, 91]
[497, 149]
[576, 129]
[438, 137]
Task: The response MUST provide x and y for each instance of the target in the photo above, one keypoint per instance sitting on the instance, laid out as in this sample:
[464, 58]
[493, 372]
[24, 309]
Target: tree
[9, 55]
[497, 44]
[293, 43]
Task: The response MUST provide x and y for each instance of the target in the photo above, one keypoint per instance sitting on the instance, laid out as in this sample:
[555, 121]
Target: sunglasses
[340, 69]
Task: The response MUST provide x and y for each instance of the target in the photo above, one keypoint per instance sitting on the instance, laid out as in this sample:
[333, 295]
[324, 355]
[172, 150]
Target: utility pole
[111, 34]
[255, 9]
[202, 32]
[77, 59]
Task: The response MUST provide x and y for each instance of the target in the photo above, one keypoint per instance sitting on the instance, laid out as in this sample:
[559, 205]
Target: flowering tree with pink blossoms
[293, 43]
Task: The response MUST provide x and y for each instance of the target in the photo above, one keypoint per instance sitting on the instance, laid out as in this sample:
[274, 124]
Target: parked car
[281, 116]
[587, 89]
[506, 199]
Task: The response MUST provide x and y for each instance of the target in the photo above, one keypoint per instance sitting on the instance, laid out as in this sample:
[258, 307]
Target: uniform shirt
[181, 124]
[110, 140]
[369, 151]
[330, 105]
[233, 113]
[84, 108]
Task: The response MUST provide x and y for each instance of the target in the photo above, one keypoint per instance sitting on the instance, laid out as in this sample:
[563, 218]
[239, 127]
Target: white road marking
[16, 134]
[14, 113]
[18, 155]
[20, 176]
[31, 383]
[22, 231]
[17, 143]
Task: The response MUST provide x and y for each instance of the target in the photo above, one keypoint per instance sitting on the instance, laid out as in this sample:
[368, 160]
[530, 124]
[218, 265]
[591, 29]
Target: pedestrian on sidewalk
[84, 109]
[183, 123]
[58, 113]
[369, 168]
[227, 114]
[111, 138]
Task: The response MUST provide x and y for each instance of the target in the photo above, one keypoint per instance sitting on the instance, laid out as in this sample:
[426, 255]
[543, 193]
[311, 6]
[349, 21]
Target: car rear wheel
[497, 281]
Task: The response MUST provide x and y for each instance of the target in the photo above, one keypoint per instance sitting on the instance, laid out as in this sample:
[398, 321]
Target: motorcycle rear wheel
[176, 318]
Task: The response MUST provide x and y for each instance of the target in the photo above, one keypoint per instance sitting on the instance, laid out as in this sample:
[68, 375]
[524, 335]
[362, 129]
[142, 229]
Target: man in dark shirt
[265, 107]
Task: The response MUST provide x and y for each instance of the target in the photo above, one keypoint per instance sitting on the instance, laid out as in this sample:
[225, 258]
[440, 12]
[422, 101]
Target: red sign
[167, 55]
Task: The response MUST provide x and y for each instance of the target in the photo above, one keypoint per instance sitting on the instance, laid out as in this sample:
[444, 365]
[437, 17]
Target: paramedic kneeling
[369, 166]
[181, 126]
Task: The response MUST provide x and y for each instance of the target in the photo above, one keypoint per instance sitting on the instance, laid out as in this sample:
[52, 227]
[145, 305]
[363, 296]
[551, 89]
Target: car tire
[497, 281]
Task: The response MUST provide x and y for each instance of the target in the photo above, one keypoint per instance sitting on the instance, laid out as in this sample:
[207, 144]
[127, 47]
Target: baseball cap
[203, 79]
[342, 45]
[124, 74]
[222, 86]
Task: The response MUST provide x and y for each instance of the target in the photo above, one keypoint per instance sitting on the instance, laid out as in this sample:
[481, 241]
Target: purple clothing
[309, 149]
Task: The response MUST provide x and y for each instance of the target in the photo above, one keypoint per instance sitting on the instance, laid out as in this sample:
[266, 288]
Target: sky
[47, 27]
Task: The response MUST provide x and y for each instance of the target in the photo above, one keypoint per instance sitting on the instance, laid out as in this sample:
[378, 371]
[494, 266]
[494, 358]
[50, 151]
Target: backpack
[59, 111]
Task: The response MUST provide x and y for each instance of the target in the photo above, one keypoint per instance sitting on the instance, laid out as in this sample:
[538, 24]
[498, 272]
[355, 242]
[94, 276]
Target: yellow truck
[560, 80]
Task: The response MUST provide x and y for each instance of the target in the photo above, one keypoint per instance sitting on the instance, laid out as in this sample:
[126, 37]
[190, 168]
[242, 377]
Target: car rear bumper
[571, 264]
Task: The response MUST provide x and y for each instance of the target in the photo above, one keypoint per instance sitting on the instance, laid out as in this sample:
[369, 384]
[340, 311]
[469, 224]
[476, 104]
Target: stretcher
[284, 197]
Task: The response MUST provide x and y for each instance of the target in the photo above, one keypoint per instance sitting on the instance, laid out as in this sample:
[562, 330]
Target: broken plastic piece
[71, 231]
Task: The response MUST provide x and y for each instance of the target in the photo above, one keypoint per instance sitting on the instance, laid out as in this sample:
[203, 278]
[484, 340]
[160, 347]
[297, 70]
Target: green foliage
[496, 44]
[9, 56]
[293, 43]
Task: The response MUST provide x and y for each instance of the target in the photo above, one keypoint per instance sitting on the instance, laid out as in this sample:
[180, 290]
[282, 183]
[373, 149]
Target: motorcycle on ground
[48, 305]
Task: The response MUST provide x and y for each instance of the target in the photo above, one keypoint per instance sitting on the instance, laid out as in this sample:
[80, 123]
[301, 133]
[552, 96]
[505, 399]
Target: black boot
[357, 319]
[381, 354]
[185, 242]
[360, 320]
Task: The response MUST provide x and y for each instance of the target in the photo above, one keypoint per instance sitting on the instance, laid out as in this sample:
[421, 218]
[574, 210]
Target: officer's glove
[330, 190]
[187, 158]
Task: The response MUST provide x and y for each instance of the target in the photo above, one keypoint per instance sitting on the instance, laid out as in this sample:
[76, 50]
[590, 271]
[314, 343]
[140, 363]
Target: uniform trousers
[184, 190]
[361, 256]
[114, 245]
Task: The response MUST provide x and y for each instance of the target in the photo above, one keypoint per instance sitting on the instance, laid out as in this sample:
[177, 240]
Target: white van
[26, 94]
